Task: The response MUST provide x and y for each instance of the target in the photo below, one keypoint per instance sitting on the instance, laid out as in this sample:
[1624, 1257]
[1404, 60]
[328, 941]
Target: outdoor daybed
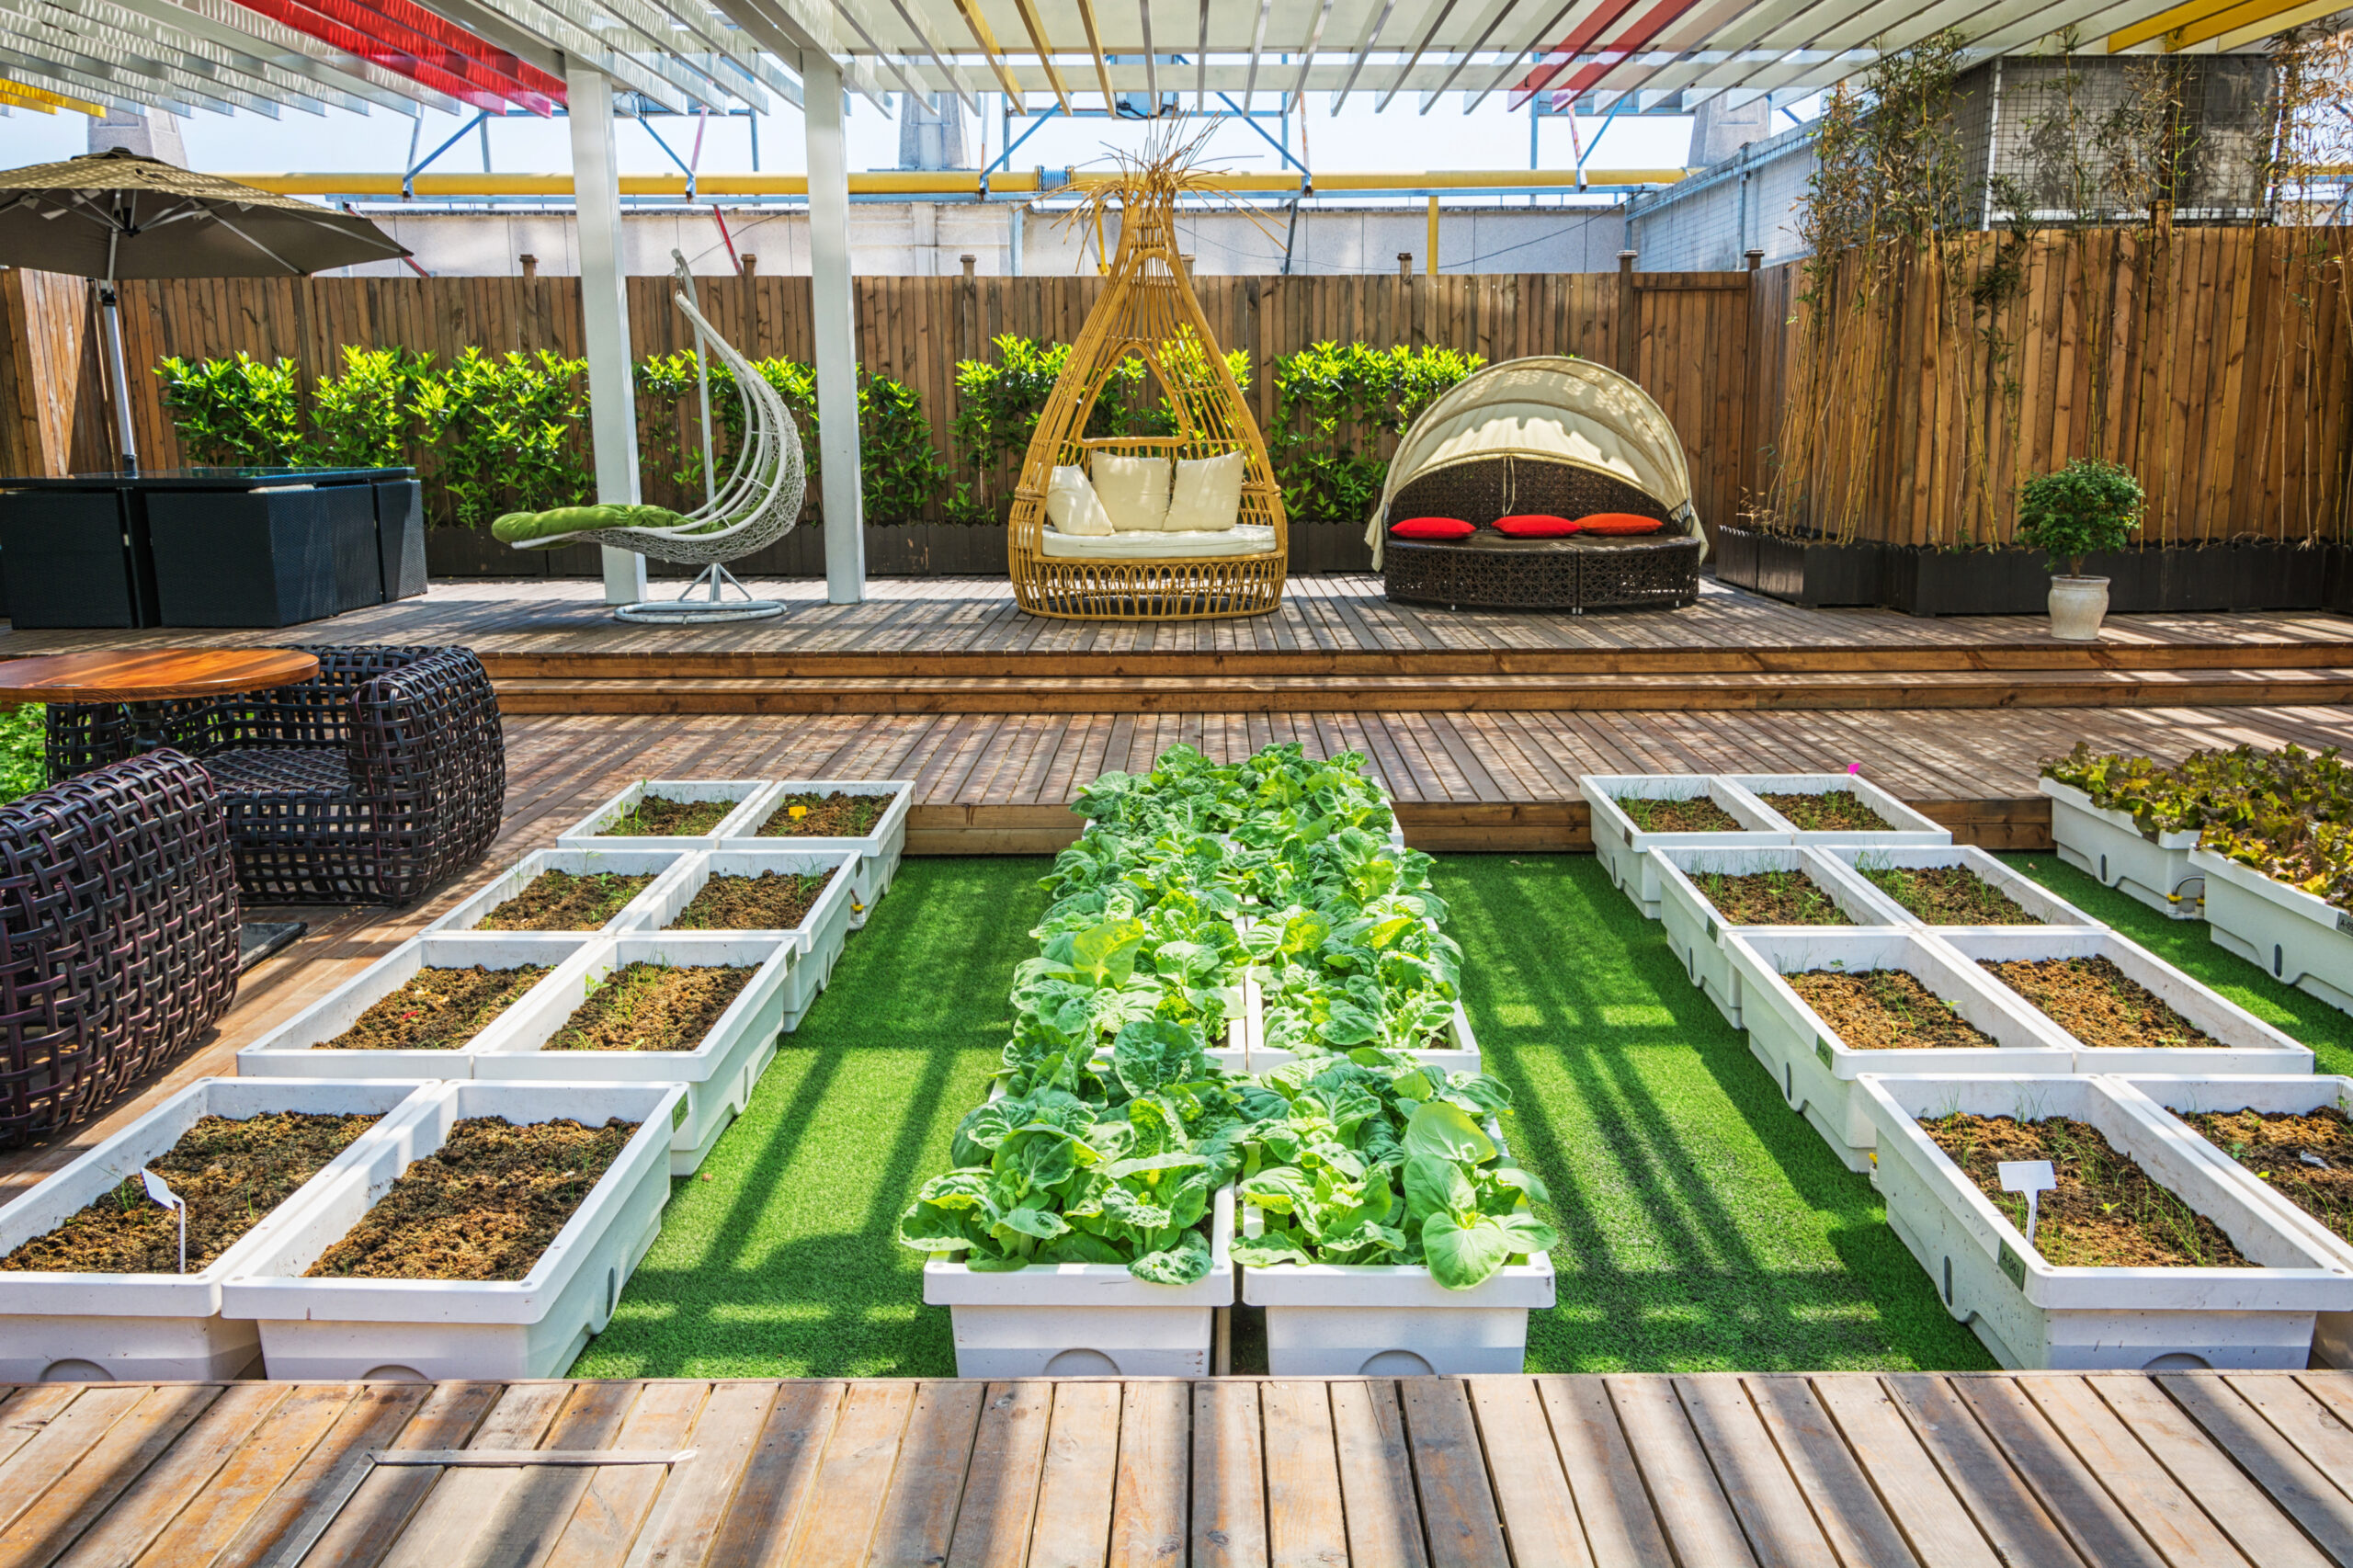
[1562, 438]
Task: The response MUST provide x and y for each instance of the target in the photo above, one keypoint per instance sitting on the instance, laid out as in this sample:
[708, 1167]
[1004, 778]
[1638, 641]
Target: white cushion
[1072, 503]
[1207, 495]
[1134, 491]
[1244, 538]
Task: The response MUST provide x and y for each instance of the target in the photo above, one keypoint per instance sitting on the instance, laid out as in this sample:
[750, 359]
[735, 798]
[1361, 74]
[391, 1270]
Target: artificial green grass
[2185, 945]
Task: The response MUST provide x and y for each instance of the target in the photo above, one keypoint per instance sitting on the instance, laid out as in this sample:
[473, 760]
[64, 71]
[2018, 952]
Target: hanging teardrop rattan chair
[759, 505]
[1147, 312]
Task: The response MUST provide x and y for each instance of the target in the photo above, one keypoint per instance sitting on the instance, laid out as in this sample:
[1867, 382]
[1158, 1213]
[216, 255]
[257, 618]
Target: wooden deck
[1836, 1470]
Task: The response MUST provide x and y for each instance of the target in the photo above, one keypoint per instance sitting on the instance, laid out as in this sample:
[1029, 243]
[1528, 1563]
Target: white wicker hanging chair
[760, 502]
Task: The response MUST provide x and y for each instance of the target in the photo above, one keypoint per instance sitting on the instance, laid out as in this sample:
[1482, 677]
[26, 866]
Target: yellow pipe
[2163, 22]
[1429, 262]
[920, 182]
[42, 98]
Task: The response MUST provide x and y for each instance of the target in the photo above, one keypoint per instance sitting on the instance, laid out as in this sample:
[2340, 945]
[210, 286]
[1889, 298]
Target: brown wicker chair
[119, 920]
[369, 784]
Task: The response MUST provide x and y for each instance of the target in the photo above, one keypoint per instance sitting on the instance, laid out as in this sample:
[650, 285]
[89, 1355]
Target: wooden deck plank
[2103, 1532]
[184, 1472]
[1459, 1517]
[1755, 1480]
[1306, 1527]
[1621, 1529]
[2303, 1493]
[1936, 1527]
[2003, 1506]
[64, 1437]
[74, 1500]
[918, 1519]
[1001, 1489]
[464, 1502]
[780, 1431]
[1377, 1492]
[1853, 1522]
[2206, 1473]
[1074, 1487]
[613, 1507]
[1691, 1507]
[372, 1415]
[2158, 1508]
[1538, 1513]
[2304, 1421]
[367, 1526]
[27, 1412]
[853, 1480]
[1228, 1476]
[1150, 1504]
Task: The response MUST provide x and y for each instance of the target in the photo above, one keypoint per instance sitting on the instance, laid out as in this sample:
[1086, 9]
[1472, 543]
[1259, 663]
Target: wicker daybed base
[1546, 574]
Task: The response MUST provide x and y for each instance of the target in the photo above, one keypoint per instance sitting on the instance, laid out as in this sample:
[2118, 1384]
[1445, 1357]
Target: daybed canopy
[1549, 410]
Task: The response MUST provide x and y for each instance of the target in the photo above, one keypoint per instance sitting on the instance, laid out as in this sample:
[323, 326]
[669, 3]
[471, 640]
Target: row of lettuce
[492, 432]
[2287, 814]
[1113, 1124]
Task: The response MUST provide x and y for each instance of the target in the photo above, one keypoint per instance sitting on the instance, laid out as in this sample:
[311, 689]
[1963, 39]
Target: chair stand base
[711, 610]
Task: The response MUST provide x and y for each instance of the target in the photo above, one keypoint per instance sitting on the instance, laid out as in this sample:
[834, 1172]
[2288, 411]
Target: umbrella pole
[124, 436]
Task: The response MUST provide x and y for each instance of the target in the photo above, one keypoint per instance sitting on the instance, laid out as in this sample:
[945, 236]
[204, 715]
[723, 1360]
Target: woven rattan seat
[369, 784]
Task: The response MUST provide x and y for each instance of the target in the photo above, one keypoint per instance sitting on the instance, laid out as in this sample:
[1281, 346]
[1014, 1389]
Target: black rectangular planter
[72, 560]
[264, 557]
[399, 538]
[1319, 547]
[1802, 570]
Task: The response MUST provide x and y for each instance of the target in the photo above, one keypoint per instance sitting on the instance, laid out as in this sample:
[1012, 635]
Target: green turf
[2185, 945]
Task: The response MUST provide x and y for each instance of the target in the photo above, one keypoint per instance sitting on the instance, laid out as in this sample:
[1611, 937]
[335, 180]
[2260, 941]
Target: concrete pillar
[604, 312]
[834, 327]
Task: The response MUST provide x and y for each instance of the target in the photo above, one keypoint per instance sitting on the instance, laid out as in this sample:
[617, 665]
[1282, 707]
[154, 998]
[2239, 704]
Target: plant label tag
[1821, 1051]
[157, 1191]
[1711, 928]
[2345, 923]
[1630, 836]
[2013, 1266]
[2033, 1177]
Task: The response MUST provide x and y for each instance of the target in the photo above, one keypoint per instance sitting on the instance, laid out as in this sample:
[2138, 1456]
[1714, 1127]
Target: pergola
[1139, 57]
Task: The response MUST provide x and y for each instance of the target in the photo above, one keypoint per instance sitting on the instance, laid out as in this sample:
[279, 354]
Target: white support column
[834, 327]
[604, 310]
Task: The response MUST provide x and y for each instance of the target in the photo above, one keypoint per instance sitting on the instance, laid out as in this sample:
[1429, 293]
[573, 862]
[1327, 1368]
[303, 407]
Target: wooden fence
[2224, 420]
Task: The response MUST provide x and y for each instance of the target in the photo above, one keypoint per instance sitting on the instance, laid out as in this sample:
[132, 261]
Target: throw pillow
[1536, 525]
[1073, 505]
[1207, 495]
[1439, 529]
[525, 527]
[1134, 491]
[1620, 523]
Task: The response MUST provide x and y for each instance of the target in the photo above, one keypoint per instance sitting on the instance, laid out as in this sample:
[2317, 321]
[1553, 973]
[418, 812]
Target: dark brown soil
[1947, 895]
[773, 901]
[833, 815]
[658, 816]
[1697, 814]
[483, 1206]
[438, 1009]
[1885, 1009]
[558, 901]
[230, 1173]
[2307, 1160]
[1831, 810]
[2091, 999]
[2105, 1212]
[651, 1006]
[1769, 898]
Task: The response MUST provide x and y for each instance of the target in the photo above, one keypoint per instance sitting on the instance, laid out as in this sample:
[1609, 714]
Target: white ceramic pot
[2076, 606]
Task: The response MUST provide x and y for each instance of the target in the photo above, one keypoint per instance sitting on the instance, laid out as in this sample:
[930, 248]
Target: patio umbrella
[116, 214]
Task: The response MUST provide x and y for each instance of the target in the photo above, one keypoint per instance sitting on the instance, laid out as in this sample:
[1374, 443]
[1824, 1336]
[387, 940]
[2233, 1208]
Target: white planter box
[578, 863]
[1625, 849]
[289, 1051]
[820, 936]
[1696, 929]
[2032, 1314]
[2288, 934]
[1459, 1055]
[1817, 1071]
[2158, 1096]
[1908, 828]
[166, 1327]
[432, 1329]
[878, 852]
[2107, 846]
[2024, 891]
[718, 1073]
[2248, 1044]
[591, 831]
[1085, 1318]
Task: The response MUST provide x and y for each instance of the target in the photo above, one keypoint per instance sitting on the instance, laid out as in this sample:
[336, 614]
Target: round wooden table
[156, 675]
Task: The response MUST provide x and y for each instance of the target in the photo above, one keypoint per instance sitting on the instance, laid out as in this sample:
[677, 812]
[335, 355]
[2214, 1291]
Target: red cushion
[1536, 525]
[1620, 523]
[1432, 528]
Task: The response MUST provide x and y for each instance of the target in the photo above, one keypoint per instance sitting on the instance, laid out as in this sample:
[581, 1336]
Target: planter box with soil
[1458, 1053]
[1085, 1318]
[2129, 1009]
[665, 813]
[1634, 814]
[1707, 895]
[1960, 888]
[421, 1011]
[582, 891]
[801, 897]
[867, 817]
[2304, 941]
[1823, 1007]
[2286, 1142]
[2146, 1257]
[2107, 846]
[92, 1287]
[533, 1212]
[1839, 808]
[702, 1009]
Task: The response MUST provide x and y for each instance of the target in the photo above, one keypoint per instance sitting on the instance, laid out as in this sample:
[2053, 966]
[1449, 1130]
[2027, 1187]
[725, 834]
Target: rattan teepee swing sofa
[1217, 556]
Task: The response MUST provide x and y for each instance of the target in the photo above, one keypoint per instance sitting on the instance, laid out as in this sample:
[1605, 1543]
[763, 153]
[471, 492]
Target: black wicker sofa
[1493, 570]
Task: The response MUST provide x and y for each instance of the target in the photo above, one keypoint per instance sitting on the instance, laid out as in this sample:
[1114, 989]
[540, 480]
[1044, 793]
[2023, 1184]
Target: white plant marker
[169, 1200]
[2032, 1177]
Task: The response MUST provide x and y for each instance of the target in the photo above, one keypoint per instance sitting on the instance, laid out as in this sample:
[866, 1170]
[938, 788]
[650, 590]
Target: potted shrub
[2088, 506]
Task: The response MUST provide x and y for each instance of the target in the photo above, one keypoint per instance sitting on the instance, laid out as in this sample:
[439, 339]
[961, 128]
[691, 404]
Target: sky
[1357, 140]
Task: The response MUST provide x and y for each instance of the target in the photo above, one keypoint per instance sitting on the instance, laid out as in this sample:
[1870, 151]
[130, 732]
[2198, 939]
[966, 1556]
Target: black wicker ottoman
[1490, 571]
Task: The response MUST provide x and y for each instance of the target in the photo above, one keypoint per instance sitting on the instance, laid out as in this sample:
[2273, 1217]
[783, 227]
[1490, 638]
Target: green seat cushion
[524, 527]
